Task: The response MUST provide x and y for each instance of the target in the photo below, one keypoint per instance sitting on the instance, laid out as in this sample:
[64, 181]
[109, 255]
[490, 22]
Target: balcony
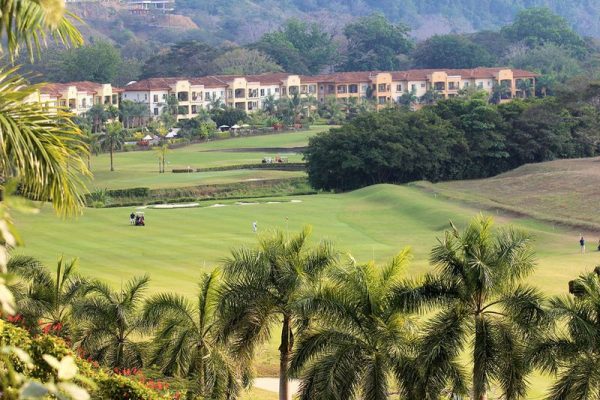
[342, 89]
[240, 93]
[182, 96]
[439, 86]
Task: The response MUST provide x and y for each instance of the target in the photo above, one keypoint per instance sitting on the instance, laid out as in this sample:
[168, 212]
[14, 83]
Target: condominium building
[78, 97]
[250, 92]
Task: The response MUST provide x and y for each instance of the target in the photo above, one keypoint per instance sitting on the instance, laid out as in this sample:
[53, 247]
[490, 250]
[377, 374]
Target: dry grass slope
[561, 191]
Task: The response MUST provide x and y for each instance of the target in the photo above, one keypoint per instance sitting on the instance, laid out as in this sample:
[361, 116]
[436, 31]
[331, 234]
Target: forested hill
[247, 20]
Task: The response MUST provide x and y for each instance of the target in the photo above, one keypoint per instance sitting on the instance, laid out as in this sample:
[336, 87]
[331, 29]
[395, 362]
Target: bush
[131, 192]
[182, 170]
[109, 385]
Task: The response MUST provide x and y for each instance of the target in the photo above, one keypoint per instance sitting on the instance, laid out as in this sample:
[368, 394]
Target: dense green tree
[186, 340]
[228, 116]
[191, 58]
[110, 325]
[133, 113]
[98, 62]
[389, 146]
[450, 51]
[300, 47]
[484, 308]
[375, 44]
[241, 61]
[550, 60]
[572, 351]
[358, 343]
[260, 292]
[540, 26]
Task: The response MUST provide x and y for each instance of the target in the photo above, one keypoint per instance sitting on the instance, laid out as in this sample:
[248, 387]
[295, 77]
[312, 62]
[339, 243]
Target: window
[276, 90]
[194, 96]
[466, 84]
[399, 87]
[183, 110]
[182, 96]
[489, 83]
[155, 98]
[164, 96]
[269, 91]
[155, 111]
[452, 86]
[283, 91]
[480, 85]
[312, 88]
[145, 96]
[353, 88]
[322, 88]
[381, 87]
[364, 88]
[331, 88]
[382, 99]
[422, 85]
[262, 92]
[194, 109]
[413, 87]
[207, 96]
[341, 88]
[83, 103]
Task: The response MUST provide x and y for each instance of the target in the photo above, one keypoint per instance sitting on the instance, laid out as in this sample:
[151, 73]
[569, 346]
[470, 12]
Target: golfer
[582, 244]
[254, 227]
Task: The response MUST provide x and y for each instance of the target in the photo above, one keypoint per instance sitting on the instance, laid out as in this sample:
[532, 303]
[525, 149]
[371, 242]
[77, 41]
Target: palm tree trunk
[285, 350]
[163, 164]
[111, 158]
[479, 362]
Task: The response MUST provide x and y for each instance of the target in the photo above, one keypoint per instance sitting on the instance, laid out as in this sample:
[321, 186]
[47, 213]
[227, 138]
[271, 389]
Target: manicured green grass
[376, 222]
[140, 168]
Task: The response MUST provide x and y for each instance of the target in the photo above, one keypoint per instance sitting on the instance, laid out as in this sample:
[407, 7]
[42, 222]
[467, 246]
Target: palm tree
[112, 139]
[499, 92]
[358, 342]
[110, 323]
[161, 153]
[215, 104]
[98, 115]
[49, 297]
[186, 340]
[261, 286]
[478, 283]
[270, 105]
[572, 350]
[526, 87]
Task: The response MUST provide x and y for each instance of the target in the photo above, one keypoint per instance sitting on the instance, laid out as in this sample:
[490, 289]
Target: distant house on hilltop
[143, 7]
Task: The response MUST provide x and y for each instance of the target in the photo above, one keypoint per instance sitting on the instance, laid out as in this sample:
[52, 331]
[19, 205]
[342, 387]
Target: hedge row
[298, 166]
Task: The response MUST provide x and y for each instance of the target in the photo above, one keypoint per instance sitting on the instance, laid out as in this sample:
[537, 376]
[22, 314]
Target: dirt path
[272, 385]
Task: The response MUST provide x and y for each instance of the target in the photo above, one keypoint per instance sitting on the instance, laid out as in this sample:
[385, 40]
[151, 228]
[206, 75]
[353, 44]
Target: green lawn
[376, 222]
[140, 168]
[179, 243]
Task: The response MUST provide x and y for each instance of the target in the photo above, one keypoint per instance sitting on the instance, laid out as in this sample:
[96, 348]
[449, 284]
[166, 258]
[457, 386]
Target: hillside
[244, 21]
[565, 191]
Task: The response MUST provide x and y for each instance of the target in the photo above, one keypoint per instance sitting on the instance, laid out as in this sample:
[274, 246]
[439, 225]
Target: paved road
[272, 384]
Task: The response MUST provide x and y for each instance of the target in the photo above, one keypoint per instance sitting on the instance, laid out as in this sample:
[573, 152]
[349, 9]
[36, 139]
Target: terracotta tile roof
[215, 81]
[54, 89]
[151, 84]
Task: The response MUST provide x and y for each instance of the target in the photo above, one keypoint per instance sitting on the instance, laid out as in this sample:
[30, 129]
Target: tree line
[459, 138]
[537, 40]
[472, 327]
